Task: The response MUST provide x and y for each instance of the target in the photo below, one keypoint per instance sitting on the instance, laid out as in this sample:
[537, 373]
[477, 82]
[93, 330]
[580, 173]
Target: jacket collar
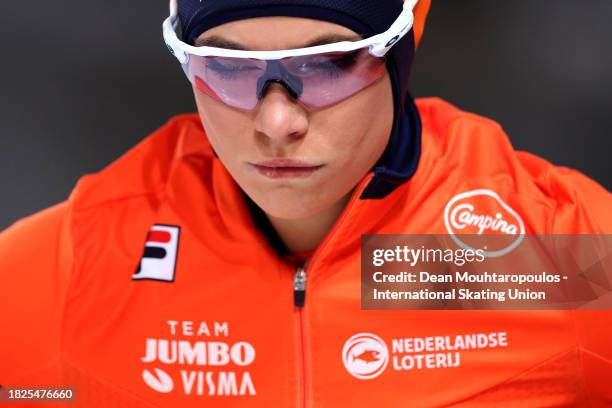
[401, 157]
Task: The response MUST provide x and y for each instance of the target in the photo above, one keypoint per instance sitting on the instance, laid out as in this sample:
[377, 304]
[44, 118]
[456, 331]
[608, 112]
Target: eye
[346, 61]
[228, 68]
[332, 65]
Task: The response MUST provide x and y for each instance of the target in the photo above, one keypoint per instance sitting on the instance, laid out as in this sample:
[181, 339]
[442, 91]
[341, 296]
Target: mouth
[285, 168]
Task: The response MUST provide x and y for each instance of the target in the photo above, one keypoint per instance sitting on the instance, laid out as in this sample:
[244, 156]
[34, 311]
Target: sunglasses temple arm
[410, 4]
[397, 30]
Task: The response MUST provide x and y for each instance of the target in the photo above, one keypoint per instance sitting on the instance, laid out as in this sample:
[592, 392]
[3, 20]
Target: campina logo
[481, 212]
[159, 258]
[365, 356]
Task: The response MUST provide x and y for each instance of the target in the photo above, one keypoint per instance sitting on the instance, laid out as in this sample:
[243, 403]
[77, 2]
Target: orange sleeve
[35, 263]
[585, 207]
[582, 206]
[594, 330]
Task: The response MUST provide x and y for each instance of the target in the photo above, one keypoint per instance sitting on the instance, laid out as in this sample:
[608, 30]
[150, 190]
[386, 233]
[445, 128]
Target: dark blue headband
[366, 17]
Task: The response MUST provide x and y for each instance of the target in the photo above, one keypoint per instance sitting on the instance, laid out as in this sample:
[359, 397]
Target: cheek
[359, 131]
[223, 126]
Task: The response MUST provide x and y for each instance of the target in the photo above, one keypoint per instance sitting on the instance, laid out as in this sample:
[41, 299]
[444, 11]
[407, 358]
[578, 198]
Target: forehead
[275, 33]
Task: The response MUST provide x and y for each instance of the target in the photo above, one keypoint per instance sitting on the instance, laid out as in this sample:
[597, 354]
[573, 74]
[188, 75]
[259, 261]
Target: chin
[291, 206]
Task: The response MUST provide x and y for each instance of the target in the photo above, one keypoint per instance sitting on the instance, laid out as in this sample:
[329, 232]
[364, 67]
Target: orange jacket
[207, 316]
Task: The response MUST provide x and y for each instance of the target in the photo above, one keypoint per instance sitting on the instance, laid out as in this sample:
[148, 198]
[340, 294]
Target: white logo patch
[159, 258]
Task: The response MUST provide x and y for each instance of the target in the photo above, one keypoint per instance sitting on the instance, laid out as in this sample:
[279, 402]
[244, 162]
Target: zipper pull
[299, 286]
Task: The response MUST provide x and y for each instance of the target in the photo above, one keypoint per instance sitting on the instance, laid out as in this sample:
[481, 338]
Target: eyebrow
[219, 42]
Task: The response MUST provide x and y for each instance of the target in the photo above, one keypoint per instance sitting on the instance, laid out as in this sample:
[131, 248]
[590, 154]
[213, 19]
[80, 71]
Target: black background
[83, 81]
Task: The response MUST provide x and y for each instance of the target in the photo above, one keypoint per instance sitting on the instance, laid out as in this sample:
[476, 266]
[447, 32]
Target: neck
[305, 234]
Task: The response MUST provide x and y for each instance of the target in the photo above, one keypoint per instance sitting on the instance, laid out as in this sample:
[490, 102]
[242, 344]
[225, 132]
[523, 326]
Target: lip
[285, 168]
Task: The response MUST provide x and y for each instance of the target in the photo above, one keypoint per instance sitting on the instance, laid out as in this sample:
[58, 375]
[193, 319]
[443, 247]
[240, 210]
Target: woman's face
[263, 149]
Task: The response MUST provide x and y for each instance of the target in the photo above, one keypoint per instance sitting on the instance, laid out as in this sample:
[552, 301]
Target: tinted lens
[330, 78]
[232, 81]
[326, 78]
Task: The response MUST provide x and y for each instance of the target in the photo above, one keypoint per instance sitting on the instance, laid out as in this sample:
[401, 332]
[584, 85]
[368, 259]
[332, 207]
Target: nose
[279, 117]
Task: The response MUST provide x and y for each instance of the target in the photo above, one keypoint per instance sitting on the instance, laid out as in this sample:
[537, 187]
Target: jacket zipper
[299, 298]
[299, 286]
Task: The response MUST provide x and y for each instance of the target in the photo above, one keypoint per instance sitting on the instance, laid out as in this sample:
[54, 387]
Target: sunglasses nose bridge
[276, 73]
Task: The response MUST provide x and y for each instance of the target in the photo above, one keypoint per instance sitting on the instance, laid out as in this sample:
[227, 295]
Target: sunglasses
[317, 77]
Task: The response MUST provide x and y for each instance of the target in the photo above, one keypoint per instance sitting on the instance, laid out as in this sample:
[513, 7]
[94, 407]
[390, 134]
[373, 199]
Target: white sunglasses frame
[378, 45]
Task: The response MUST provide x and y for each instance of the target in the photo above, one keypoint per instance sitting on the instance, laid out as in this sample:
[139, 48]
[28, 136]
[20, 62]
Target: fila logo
[159, 258]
